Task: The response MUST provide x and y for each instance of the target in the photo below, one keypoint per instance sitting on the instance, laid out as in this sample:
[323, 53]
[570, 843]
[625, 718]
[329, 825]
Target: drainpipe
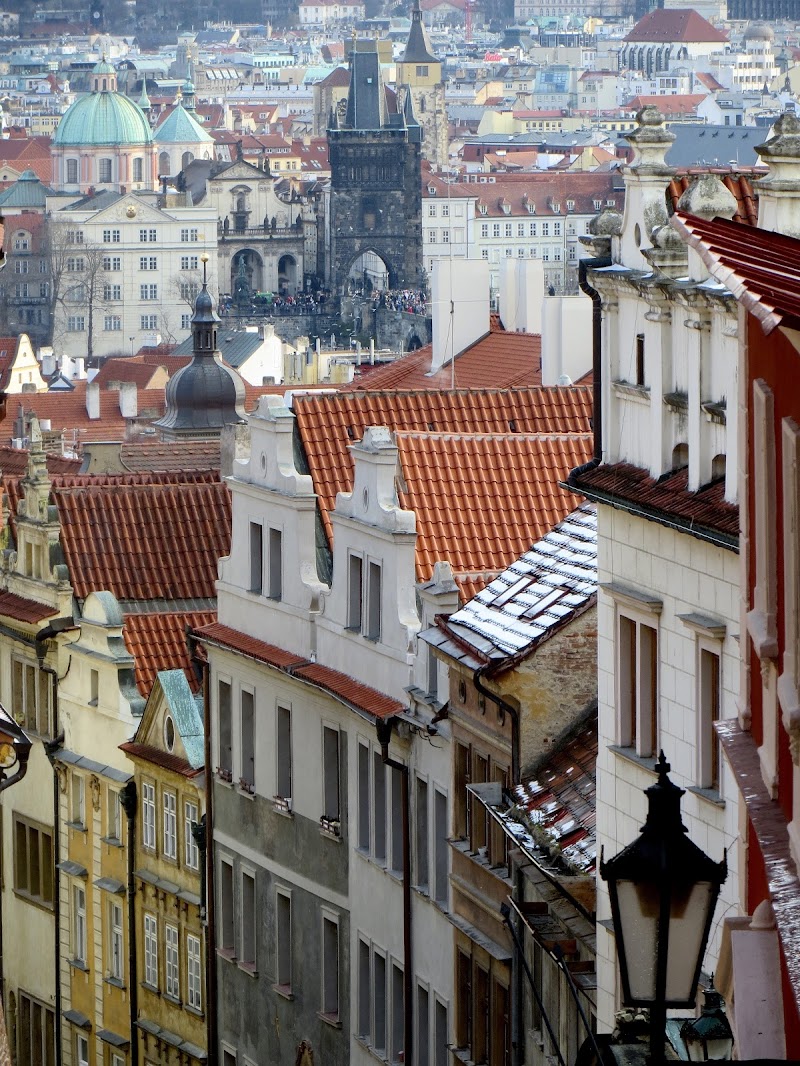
[209, 898]
[584, 265]
[477, 681]
[51, 749]
[129, 803]
[384, 730]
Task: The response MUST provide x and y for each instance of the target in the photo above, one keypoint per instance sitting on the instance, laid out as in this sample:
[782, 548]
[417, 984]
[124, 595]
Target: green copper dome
[100, 119]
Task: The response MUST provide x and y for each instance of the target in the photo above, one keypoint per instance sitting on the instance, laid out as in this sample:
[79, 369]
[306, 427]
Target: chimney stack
[128, 399]
[460, 299]
[93, 400]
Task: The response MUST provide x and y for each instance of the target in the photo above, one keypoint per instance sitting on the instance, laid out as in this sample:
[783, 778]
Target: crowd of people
[414, 301]
[271, 303]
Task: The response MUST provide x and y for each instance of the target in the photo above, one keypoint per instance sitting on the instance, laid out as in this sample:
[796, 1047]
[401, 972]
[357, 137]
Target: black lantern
[663, 890]
[15, 749]
[710, 1036]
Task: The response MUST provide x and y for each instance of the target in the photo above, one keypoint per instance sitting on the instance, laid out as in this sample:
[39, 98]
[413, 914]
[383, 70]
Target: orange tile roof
[739, 185]
[165, 759]
[135, 370]
[481, 500]
[499, 359]
[361, 697]
[145, 541]
[140, 456]
[14, 463]
[158, 642]
[66, 410]
[22, 609]
[677, 104]
[664, 26]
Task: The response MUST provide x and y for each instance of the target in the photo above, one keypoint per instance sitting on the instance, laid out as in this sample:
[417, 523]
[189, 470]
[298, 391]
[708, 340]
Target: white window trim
[761, 619]
[642, 609]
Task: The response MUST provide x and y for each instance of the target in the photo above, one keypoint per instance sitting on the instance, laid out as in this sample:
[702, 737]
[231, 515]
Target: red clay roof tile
[160, 758]
[24, 610]
[226, 637]
[362, 697]
[158, 642]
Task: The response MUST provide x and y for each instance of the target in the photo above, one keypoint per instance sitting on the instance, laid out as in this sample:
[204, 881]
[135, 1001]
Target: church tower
[376, 185]
[420, 76]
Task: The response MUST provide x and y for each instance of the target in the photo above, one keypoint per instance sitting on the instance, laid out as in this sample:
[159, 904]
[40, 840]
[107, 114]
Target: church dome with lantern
[104, 140]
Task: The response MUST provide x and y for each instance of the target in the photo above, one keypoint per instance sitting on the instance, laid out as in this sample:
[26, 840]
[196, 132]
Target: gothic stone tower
[376, 191]
[419, 74]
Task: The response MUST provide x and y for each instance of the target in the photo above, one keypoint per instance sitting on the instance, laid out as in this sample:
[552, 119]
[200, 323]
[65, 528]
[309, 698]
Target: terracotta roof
[144, 541]
[540, 191]
[677, 104]
[702, 513]
[14, 463]
[135, 370]
[758, 266]
[329, 423]
[158, 642]
[22, 609]
[481, 500]
[164, 759]
[67, 411]
[361, 697]
[662, 26]
[139, 456]
[499, 359]
[737, 184]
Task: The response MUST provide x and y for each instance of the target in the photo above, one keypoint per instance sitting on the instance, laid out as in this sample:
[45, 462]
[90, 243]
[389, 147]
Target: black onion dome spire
[205, 395]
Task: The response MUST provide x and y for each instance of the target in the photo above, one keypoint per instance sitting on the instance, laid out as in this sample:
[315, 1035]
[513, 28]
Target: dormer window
[482, 208]
[556, 209]
[611, 203]
[570, 205]
[431, 190]
[531, 206]
[506, 208]
[598, 205]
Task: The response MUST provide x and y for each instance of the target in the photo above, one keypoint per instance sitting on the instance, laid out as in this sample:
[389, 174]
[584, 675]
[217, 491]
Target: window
[463, 776]
[148, 262]
[190, 235]
[33, 862]
[495, 229]
[111, 236]
[186, 321]
[21, 242]
[36, 1027]
[283, 940]
[637, 682]
[445, 210]
[396, 814]
[79, 923]
[330, 966]
[520, 229]
[256, 556]
[21, 291]
[194, 977]
[397, 1014]
[112, 262]
[248, 732]
[113, 815]
[284, 752]
[484, 229]
[32, 695]
[104, 171]
[422, 834]
[431, 210]
[170, 826]
[225, 756]
[373, 631]
[72, 172]
[364, 808]
[484, 253]
[445, 236]
[226, 926]
[151, 950]
[191, 818]
[112, 323]
[441, 1035]
[148, 292]
[82, 1050]
[78, 793]
[247, 952]
[21, 266]
[354, 592]
[364, 991]
[379, 805]
[76, 324]
[138, 170]
[639, 369]
[148, 816]
[556, 229]
[44, 289]
[172, 971]
[509, 229]
[149, 322]
[379, 996]
[708, 694]
[761, 620]
[146, 235]
[275, 589]
[330, 774]
[422, 71]
[112, 292]
[440, 847]
[189, 262]
[423, 1055]
[116, 953]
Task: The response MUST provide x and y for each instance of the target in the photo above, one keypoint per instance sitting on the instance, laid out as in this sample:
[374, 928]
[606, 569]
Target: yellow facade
[170, 935]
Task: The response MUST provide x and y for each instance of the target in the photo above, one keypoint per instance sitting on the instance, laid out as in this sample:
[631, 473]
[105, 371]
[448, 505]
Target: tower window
[422, 72]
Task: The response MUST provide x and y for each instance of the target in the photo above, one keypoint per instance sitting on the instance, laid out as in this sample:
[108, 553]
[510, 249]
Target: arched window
[163, 163]
[186, 159]
[105, 84]
[240, 203]
[72, 172]
[138, 170]
[680, 456]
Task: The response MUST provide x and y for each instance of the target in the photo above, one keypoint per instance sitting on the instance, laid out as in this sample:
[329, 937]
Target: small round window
[169, 733]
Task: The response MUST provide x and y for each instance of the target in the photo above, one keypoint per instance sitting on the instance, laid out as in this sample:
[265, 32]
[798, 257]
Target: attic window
[531, 207]
[570, 205]
[556, 209]
[169, 732]
[482, 208]
[431, 190]
[598, 204]
[611, 203]
[506, 208]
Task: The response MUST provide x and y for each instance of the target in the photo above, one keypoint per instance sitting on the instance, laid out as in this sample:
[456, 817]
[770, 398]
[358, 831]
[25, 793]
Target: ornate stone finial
[650, 140]
[708, 198]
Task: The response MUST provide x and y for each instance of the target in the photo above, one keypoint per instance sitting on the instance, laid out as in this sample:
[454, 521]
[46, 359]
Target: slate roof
[499, 359]
[27, 193]
[536, 595]
[703, 513]
[159, 639]
[144, 541]
[235, 345]
[362, 698]
[180, 127]
[558, 807]
[697, 145]
[662, 26]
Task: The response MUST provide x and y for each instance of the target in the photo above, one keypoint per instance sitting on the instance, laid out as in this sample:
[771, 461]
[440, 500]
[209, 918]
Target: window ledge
[150, 988]
[645, 762]
[77, 826]
[284, 991]
[710, 795]
[246, 792]
[193, 1010]
[35, 901]
[115, 982]
[227, 953]
[330, 1019]
[632, 391]
[113, 842]
[283, 806]
[248, 968]
[379, 1054]
[172, 999]
[77, 964]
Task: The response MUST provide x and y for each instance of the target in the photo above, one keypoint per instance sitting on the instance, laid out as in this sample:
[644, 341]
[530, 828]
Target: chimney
[566, 338]
[779, 191]
[521, 295]
[128, 399]
[47, 362]
[92, 399]
[460, 301]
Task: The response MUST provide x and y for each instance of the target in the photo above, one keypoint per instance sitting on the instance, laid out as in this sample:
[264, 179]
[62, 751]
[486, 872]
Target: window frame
[150, 953]
[149, 826]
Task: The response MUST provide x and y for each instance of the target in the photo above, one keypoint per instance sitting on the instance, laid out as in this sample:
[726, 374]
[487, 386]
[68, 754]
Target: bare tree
[85, 279]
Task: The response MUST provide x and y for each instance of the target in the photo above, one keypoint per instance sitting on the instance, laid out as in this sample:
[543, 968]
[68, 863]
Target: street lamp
[709, 1036]
[663, 890]
[15, 749]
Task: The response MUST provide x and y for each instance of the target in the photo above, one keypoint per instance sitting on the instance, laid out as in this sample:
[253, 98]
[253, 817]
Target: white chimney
[128, 399]
[566, 338]
[521, 294]
[92, 399]
[47, 361]
[460, 307]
